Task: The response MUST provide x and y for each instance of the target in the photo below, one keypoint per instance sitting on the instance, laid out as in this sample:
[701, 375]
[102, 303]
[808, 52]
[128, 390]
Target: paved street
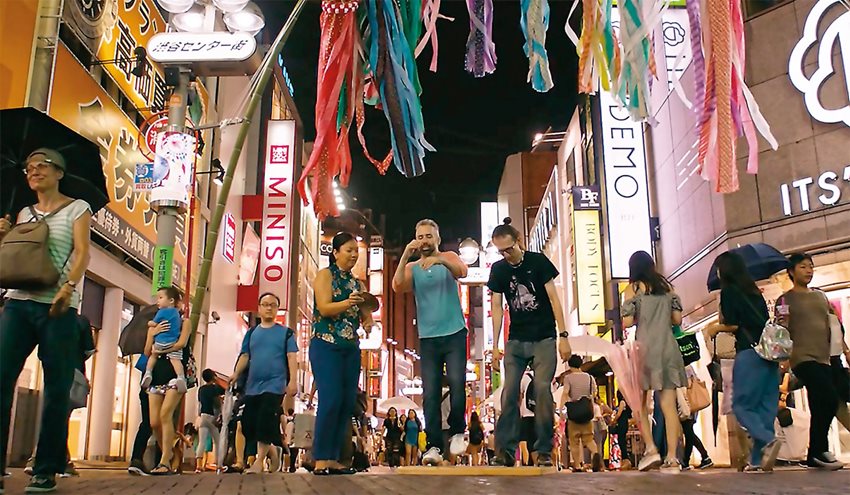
[717, 481]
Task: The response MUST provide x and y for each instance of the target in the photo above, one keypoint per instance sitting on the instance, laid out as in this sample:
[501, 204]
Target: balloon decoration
[534, 20]
[480, 48]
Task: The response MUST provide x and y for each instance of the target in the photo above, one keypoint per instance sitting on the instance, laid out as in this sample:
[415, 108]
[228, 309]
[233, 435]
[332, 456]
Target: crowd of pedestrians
[243, 422]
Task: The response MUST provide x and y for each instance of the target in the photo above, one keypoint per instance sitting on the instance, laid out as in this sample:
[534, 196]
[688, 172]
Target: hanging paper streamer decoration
[430, 15]
[598, 47]
[394, 66]
[339, 86]
[534, 20]
[728, 109]
[638, 20]
[480, 48]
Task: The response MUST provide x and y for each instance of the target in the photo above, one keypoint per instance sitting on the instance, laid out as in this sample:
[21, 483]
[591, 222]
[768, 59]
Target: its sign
[376, 258]
[586, 198]
[476, 275]
[173, 168]
[835, 38]
[278, 198]
[325, 248]
[590, 277]
[143, 180]
[829, 184]
[228, 242]
[177, 47]
[626, 188]
[163, 259]
[249, 257]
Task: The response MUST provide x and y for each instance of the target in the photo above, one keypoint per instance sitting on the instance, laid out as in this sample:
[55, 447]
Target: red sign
[278, 198]
[228, 245]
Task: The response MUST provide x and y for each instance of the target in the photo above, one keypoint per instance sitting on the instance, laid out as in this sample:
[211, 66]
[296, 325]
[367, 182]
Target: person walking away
[691, 438]
[269, 353]
[805, 312]
[579, 385]
[43, 317]
[476, 438]
[335, 352]
[601, 414]
[527, 424]
[840, 374]
[442, 334]
[412, 427]
[755, 381]
[527, 281]
[209, 399]
[164, 397]
[619, 430]
[167, 299]
[143, 434]
[392, 433]
[651, 304]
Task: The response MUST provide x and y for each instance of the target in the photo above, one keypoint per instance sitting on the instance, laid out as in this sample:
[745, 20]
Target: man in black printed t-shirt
[527, 281]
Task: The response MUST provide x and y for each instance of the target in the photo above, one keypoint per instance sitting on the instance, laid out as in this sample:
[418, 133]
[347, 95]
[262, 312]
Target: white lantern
[248, 20]
[468, 250]
[230, 5]
[176, 6]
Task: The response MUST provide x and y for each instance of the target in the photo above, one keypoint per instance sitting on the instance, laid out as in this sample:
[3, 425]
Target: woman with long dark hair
[476, 439]
[755, 390]
[651, 304]
[392, 434]
[335, 352]
[412, 427]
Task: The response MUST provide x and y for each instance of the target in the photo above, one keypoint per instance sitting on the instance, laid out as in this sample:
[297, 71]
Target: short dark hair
[575, 361]
[171, 292]
[264, 294]
[208, 375]
[795, 259]
[506, 229]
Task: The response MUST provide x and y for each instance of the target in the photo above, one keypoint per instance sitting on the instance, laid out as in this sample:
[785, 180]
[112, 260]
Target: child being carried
[167, 300]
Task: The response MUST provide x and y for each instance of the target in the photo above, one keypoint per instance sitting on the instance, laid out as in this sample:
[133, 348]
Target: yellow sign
[590, 273]
[17, 30]
[127, 221]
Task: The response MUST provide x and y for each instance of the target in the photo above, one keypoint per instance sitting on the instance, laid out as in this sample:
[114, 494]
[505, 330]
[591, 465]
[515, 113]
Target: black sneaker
[826, 461]
[504, 459]
[41, 484]
[544, 460]
[596, 463]
[706, 463]
[137, 468]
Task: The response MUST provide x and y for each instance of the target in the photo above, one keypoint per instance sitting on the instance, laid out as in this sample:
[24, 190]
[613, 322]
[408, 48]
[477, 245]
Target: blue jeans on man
[438, 352]
[542, 356]
[23, 326]
[755, 399]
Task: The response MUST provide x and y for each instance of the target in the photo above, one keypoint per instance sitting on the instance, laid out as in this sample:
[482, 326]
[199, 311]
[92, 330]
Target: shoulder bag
[581, 411]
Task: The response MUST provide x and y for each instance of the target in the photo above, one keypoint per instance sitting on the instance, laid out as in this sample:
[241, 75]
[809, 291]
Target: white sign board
[173, 168]
[278, 199]
[836, 35]
[829, 184]
[177, 47]
[626, 185]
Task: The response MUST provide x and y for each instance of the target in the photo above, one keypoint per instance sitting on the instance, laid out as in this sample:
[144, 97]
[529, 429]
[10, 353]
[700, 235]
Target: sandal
[161, 470]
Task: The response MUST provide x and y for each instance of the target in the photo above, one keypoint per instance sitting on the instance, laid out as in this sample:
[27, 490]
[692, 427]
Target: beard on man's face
[427, 249]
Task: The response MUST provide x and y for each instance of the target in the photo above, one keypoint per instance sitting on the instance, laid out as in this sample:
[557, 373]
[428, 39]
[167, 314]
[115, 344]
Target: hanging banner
[162, 276]
[277, 235]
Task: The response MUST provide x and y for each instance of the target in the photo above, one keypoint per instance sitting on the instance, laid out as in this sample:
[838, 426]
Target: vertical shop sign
[162, 275]
[277, 235]
[228, 245]
[587, 239]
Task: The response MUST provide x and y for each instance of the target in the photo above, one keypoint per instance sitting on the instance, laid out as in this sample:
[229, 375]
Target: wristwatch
[564, 335]
[72, 284]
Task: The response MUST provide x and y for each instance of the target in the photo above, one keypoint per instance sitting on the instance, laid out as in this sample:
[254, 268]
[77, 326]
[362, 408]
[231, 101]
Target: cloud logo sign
[837, 32]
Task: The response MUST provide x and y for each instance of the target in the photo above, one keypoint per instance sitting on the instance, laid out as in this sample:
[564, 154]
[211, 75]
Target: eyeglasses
[37, 166]
[268, 305]
[507, 249]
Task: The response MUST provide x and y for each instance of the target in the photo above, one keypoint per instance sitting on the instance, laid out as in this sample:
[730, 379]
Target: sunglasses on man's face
[507, 249]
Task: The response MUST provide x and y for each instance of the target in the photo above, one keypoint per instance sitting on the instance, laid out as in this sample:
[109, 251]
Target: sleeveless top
[60, 245]
[438, 310]
[341, 329]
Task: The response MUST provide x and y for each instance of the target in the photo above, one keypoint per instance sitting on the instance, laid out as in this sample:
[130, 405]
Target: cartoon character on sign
[836, 33]
[172, 166]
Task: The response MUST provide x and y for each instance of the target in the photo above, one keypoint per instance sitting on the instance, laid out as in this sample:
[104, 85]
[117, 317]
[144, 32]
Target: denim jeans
[542, 356]
[755, 399]
[23, 326]
[337, 371]
[436, 352]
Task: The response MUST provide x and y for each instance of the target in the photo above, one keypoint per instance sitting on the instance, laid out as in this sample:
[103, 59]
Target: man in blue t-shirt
[269, 353]
[442, 335]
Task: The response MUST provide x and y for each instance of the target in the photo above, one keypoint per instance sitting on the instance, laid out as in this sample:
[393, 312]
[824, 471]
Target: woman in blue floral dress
[335, 352]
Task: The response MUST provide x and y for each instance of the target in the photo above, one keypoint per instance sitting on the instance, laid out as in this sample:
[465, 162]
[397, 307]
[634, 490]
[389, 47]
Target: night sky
[473, 123]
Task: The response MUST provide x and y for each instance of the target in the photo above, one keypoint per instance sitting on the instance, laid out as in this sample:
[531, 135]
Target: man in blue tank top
[442, 334]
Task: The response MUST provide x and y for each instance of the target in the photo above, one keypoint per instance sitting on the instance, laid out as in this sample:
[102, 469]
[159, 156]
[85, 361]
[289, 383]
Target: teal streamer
[534, 21]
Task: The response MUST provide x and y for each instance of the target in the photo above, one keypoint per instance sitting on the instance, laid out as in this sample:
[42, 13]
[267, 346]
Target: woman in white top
[46, 317]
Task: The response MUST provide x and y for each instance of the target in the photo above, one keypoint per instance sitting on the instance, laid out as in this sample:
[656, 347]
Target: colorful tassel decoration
[430, 15]
[391, 57]
[534, 20]
[339, 88]
[638, 20]
[598, 48]
[728, 109]
[480, 48]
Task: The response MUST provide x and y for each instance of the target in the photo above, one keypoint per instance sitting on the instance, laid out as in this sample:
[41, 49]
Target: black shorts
[261, 418]
[528, 431]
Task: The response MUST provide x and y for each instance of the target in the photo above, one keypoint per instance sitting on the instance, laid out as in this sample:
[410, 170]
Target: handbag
[581, 411]
[25, 257]
[79, 390]
[698, 395]
[688, 345]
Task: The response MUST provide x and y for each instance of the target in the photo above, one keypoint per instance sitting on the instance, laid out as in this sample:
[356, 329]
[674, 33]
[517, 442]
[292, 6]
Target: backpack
[530, 397]
[242, 382]
[25, 256]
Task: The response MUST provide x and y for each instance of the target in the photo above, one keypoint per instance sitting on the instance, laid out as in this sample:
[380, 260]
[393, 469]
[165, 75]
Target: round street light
[230, 5]
[176, 6]
[248, 20]
[469, 250]
[190, 20]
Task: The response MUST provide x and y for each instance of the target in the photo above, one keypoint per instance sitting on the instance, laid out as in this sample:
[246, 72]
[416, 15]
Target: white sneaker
[649, 461]
[457, 444]
[433, 457]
